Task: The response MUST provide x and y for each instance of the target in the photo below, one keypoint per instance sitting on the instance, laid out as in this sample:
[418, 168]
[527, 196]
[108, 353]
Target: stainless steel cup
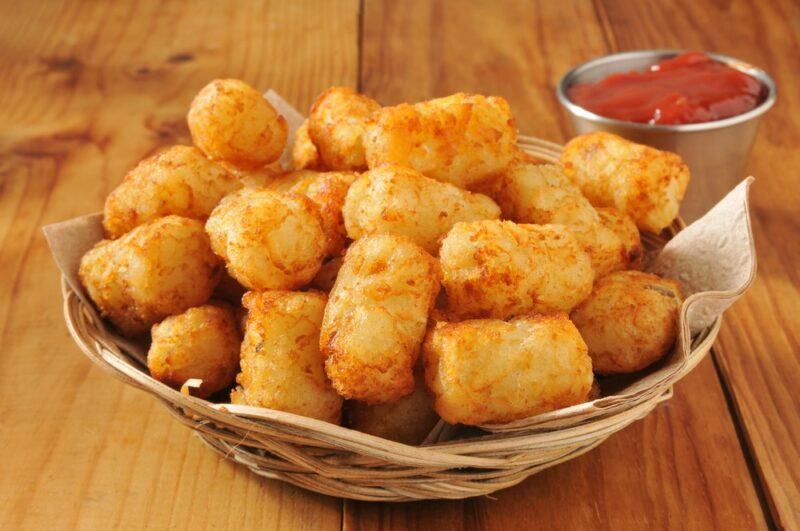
[716, 152]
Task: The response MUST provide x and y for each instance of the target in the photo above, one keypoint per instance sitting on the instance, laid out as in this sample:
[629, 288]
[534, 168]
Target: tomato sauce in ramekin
[685, 89]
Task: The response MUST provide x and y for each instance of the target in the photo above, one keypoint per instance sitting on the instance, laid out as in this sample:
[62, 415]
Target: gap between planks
[764, 499]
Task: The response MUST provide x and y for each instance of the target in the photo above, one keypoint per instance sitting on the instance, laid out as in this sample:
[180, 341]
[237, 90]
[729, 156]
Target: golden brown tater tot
[491, 371]
[268, 240]
[179, 180]
[396, 200]
[161, 268]
[376, 317]
[629, 321]
[336, 125]
[328, 192]
[641, 181]
[461, 139]
[409, 420]
[282, 367]
[231, 121]
[203, 343]
[305, 155]
[501, 269]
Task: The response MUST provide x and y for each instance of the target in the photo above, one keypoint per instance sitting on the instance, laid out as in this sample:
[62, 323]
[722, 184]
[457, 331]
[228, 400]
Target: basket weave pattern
[337, 461]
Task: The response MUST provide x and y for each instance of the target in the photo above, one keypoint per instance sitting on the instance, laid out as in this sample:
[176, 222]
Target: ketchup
[686, 89]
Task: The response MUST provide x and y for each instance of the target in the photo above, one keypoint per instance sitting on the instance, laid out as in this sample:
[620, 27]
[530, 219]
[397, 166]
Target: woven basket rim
[448, 453]
[512, 455]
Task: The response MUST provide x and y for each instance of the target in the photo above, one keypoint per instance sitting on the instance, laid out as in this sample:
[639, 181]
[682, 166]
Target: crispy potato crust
[501, 269]
[336, 126]
[305, 155]
[284, 182]
[241, 318]
[269, 176]
[231, 121]
[641, 181]
[282, 367]
[409, 420]
[630, 254]
[297, 176]
[629, 321]
[461, 139]
[160, 268]
[493, 371]
[376, 317]
[396, 200]
[541, 193]
[328, 192]
[268, 240]
[202, 343]
[179, 180]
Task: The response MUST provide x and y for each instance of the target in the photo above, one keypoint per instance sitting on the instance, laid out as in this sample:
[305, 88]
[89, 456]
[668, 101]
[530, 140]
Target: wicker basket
[333, 460]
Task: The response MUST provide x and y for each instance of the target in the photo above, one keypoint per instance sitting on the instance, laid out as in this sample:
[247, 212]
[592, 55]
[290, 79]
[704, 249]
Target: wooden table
[89, 88]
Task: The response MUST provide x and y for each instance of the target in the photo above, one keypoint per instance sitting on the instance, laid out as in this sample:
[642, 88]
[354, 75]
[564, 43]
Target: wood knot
[62, 64]
[180, 57]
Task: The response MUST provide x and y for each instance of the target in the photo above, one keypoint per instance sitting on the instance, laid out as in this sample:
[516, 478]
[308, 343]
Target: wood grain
[89, 88]
[675, 469]
[86, 90]
[758, 351]
[683, 465]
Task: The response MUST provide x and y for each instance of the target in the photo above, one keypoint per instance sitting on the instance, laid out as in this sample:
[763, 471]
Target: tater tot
[501, 269]
[629, 321]
[286, 181]
[231, 121]
[202, 343]
[328, 192]
[296, 176]
[268, 240]
[409, 420]
[631, 253]
[396, 200]
[606, 250]
[179, 180]
[492, 371]
[461, 139]
[376, 317]
[269, 178]
[336, 126]
[541, 193]
[158, 269]
[265, 177]
[282, 367]
[641, 181]
[305, 155]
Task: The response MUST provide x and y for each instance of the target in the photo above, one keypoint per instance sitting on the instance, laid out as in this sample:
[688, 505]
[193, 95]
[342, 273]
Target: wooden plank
[678, 468]
[86, 90]
[758, 351]
[683, 465]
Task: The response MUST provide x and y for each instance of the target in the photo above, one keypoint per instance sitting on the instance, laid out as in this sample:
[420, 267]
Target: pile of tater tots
[414, 265]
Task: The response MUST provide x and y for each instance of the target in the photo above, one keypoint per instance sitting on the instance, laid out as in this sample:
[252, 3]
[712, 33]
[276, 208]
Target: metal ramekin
[716, 152]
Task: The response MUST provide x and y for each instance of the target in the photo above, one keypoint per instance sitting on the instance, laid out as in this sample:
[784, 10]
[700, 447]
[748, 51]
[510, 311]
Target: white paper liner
[714, 258]
[293, 118]
[715, 254]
